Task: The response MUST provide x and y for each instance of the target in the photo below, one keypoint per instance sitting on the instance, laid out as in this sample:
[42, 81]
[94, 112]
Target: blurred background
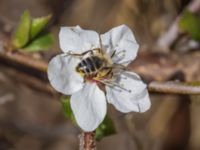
[31, 116]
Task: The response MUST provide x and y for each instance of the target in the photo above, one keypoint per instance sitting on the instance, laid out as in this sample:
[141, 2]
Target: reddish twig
[87, 141]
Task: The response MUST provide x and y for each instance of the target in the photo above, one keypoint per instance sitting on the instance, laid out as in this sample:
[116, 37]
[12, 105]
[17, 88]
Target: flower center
[97, 67]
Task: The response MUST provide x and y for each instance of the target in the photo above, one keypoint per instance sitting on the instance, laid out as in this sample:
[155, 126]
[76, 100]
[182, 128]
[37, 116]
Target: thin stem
[173, 87]
[87, 141]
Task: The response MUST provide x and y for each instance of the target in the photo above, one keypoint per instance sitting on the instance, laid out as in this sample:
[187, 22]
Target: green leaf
[67, 108]
[190, 24]
[106, 128]
[41, 43]
[38, 24]
[21, 36]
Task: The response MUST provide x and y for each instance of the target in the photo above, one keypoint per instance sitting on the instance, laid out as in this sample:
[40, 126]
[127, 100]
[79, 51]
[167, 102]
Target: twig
[174, 88]
[31, 81]
[162, 67]
[167, 39]
[87, 141]
[22, 59]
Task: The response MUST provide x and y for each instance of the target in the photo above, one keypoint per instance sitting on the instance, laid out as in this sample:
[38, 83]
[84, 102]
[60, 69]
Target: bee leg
[73, 54]
[107, 72]
[89, 51]
[117, 67]
[82, 54]
[92, 51]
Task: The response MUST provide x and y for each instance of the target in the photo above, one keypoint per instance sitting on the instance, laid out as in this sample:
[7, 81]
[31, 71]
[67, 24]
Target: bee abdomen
[90, 65]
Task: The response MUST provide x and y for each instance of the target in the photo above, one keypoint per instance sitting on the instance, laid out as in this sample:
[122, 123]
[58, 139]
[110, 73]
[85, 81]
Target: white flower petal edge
[77, 40]
[121, 39]
[62, 74]
[89, 107]
[137, 100]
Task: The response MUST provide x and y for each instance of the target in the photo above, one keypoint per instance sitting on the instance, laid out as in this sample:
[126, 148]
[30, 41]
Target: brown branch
[30, 81]
[87, 141]
[174, 88]
[163, 67]
[24, 60]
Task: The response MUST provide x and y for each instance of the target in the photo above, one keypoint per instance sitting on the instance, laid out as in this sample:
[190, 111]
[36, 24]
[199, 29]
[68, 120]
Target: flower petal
[89, 107]
[77, 40]
[121, 40]
[63, 76]
[136, 99]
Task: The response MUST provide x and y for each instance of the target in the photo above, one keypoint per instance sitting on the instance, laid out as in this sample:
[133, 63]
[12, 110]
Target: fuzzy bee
[96, 65]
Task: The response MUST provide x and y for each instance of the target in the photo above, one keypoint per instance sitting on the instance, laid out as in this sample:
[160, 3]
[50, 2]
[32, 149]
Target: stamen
[120, 54]
[120, 86]
[118, 90]
[113, 84]
[113, 54]
[126, 62]
[125, 78]
[123, 52]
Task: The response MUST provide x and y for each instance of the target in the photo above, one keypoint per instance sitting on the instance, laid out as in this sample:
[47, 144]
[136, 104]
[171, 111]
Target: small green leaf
[38, 24]
[43, 42]
[106, 128]
[190, 23]
[67, 108]
[21, 36]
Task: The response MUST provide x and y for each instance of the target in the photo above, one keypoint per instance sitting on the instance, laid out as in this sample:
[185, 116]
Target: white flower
[125, 90]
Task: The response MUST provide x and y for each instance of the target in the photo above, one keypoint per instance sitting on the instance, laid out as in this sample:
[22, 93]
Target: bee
[94, 64]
